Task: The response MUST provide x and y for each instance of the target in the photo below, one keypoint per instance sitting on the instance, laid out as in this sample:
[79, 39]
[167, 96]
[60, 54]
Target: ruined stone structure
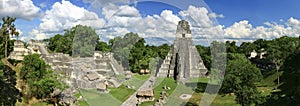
[183, 60]
[34, 46]
[19, 51]
[89, 72]
[86, 72]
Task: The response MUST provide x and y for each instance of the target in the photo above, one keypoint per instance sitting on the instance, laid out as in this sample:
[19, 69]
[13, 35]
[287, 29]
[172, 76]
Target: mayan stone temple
[183, 60]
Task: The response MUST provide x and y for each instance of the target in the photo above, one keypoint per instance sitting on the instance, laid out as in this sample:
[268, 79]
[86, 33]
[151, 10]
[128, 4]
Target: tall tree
[54, 42]
[240, 79]
[291, 80]
[102, 46]
[205, 55]
[231, 47]
[84, 42]
[8, 29]
[163, 50]
[137, 57]
[121, 47]
[278, 50]
[41, 82]
[80, 40]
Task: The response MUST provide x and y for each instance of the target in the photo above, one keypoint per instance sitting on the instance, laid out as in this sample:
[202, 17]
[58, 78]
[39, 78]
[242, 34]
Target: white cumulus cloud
[23, 9]
[128, 19]
[103, 3]
[36, 34]
[198, 16]
[65, 15]
[121, 19]
[239, 30]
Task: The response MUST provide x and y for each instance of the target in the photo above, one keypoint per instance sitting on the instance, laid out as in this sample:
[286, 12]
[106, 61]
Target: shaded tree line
[78, 41]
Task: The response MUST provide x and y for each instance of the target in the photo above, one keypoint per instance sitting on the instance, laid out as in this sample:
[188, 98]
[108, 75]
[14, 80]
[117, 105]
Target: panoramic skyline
[213, 19]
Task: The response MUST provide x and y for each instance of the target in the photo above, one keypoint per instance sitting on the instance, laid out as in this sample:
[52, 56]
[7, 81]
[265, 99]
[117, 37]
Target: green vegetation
[133, 54]
[84, 41]
[93, 98]
[82, 103]
[240, 79]
[62, 44]
[83, 38]
[38, 81]
[136, 80]
[226, 100]
[168, 82]
[121, 47]
[115, 97]
[289, 93]
[274, 76]
[205, 55]
[7, 29]
[102, 46]
[8, 91]
[142, 77]
[121, 93]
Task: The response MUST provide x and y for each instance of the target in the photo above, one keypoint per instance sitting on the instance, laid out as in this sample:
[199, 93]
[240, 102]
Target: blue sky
[256, 11]
[237, 18]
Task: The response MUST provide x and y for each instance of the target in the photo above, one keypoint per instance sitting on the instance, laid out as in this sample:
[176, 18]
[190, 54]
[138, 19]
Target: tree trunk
[277, 72]
[6, 43]
[278, 75]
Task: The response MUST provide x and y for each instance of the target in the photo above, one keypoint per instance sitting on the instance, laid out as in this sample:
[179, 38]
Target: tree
[278, 50]
[121, 47]
[246, 48]
[84, 42]
[231, 47]
[163, 50]
[218, 59]
[41, 82]
[55, 42]
[291, 80]
[240, 79]
[78, 41]
[205, 55]
[8, 29]
[138, 57]
[8, 91]
[102, 46]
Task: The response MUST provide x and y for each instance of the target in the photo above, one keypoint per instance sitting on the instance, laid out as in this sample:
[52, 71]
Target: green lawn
[94, 98]
[116, 96]
[187, 88]
[136, 80]
[121, 93]
[169, 82]
[202, 80]
[268, 80]
[82, 103]
[227, 100]
[220, 100]
[142, 77]
[177, 90]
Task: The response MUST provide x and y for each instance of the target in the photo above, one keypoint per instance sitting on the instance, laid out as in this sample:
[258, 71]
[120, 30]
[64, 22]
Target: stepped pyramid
[183, 60]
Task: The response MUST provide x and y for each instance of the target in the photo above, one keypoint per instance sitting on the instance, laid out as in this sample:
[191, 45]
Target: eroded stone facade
[183, 60]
